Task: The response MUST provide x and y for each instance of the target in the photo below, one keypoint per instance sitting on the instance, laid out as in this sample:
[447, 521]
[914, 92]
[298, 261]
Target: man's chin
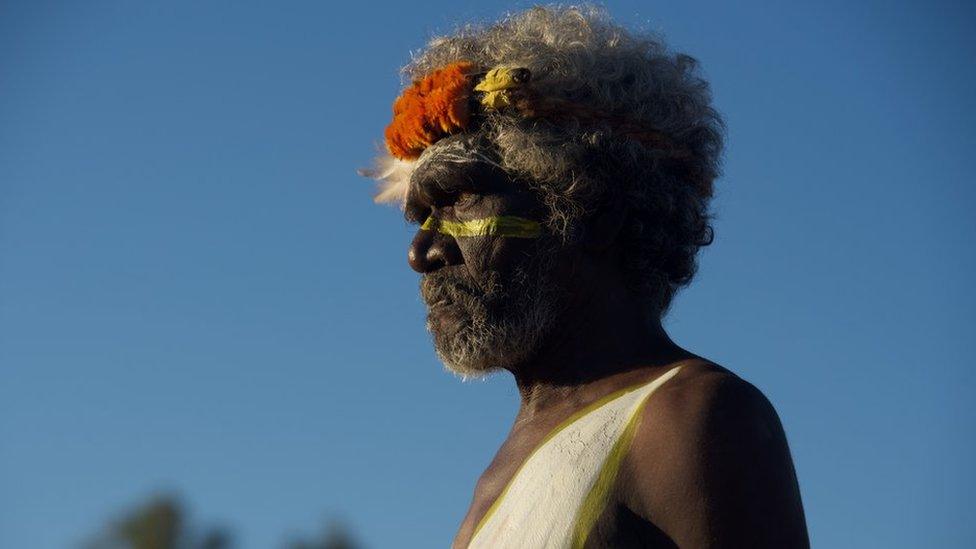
[466, 369]
[463, 359]
[456, 344]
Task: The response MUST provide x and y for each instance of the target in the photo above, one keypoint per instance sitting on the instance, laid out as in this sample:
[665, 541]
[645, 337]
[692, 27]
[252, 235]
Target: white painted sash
[557, 494]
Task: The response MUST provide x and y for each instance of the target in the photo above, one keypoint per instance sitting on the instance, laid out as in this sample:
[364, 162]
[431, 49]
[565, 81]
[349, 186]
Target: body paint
[566, 483]
[502, 225]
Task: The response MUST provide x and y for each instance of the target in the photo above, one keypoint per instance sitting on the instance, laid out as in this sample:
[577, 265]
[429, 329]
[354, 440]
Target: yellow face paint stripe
[503, 225]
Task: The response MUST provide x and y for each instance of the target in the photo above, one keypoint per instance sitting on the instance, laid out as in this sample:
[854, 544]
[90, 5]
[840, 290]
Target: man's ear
[603, 229]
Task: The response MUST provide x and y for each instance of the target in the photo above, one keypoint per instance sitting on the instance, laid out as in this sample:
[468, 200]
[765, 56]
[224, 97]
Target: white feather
[393, 176]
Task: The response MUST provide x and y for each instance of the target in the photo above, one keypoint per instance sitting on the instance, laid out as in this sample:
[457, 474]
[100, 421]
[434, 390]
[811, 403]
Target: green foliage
[161, 523]
[335, 536]
[158, 524]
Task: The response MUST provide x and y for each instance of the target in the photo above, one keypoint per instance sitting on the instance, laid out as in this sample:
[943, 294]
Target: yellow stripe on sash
[503, 225]
[598, 495]
[573, 418]
[596, 499]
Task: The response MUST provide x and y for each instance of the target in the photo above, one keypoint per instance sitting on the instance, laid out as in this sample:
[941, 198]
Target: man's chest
[616, 526]
[493, 482]
[562, 490]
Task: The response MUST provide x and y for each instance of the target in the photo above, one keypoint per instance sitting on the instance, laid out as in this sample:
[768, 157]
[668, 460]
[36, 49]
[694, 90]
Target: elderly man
[559, 169]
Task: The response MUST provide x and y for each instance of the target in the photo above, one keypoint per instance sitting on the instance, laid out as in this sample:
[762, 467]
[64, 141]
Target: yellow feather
[496, 84]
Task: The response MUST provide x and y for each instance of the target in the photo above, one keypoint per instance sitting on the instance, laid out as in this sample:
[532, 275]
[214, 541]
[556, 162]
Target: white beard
[523, 313]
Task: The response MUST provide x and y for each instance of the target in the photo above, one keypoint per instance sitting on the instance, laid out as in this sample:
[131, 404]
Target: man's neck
[599, 341]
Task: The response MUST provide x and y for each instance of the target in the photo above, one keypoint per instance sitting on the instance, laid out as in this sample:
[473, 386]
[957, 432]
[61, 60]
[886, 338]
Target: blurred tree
[335, 536]
[158, 524]
[161, 523]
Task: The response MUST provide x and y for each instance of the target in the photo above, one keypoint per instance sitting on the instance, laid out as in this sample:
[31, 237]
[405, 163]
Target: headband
[445, 101]
[450, 99]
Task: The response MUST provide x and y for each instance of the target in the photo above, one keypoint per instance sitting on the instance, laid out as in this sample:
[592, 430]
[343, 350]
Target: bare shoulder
[710, 464]
[704, 396]
[703, 418]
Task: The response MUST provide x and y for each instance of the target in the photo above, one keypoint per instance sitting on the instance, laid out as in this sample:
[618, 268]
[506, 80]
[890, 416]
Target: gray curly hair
[580, 166]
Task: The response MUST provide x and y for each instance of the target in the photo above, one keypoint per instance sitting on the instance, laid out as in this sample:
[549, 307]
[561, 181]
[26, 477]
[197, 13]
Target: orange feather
[430, 109]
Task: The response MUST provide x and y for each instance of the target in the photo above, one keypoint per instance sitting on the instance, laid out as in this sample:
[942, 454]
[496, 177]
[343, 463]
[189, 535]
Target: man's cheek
[501, 254]
[479, 254]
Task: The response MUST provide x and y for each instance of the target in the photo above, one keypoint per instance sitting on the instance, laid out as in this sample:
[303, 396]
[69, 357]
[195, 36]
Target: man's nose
[431, 250]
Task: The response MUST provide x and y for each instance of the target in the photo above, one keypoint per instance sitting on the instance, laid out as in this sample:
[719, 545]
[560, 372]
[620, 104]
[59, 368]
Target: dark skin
[709, 465]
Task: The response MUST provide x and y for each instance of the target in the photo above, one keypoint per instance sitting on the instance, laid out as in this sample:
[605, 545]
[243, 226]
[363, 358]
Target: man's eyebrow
[439, 183]
[437, 187]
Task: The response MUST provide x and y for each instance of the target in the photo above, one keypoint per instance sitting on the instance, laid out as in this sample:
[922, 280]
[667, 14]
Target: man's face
[491, 299]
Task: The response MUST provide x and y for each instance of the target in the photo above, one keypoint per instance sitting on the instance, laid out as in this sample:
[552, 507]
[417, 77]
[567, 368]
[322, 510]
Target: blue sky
[198, 295]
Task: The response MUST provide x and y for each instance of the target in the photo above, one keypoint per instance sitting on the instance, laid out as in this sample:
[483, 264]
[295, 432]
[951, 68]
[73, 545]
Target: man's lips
[439, 304]
[445, 316]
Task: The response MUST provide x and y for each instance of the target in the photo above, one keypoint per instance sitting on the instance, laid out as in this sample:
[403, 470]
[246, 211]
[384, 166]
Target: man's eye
[415, 214]
[465, 200]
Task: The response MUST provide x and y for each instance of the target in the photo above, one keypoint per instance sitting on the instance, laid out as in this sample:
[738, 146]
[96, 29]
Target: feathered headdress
[447, 100]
